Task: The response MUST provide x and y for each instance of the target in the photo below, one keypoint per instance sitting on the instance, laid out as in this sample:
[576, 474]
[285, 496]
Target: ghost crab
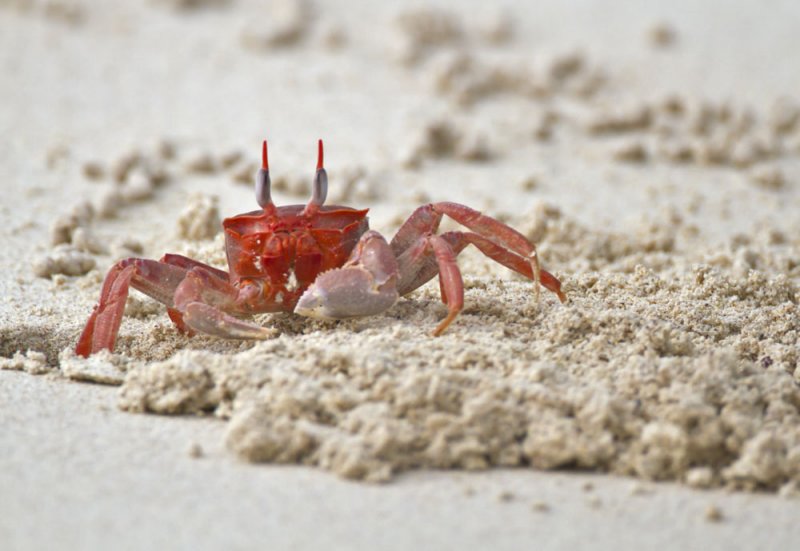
[314, 260]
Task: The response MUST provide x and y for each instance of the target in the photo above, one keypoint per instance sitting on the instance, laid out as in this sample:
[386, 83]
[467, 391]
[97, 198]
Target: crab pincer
[365, 285]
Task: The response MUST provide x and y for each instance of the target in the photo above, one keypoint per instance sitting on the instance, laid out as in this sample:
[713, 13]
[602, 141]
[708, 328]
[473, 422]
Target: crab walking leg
[431, 255]
[103, 325]
[155, 279]
[201, 298]
[365, 285]
[496, 231]
[487, 227]
[423, 221]
[426, 219]
[187, 264]
[450, 281]
[459, 240]
[417, 267]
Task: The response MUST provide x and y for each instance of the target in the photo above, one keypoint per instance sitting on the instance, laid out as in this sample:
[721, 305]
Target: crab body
[284, 251]
[314, 260]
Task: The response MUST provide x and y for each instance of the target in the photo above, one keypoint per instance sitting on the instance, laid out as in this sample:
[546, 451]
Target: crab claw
[365, 285]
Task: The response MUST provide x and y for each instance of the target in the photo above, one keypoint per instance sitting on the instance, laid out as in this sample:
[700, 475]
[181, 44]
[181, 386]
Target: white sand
[673, 360]
[79, 474]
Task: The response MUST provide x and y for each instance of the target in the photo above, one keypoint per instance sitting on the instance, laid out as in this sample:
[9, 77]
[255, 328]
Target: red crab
[314, 260]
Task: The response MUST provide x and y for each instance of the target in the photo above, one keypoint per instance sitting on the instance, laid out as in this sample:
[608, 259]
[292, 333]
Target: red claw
[264, 161]
[319, 156]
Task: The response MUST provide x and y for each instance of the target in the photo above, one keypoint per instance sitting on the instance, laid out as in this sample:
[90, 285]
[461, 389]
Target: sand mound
[684, 372]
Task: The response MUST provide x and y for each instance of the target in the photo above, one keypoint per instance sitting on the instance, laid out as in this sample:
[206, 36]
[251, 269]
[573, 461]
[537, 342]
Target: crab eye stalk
[319, 190]
[263, 192]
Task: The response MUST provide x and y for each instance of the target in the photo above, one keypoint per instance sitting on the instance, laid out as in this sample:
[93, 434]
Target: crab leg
[433, 254]
[201, 298]
[497, 240]
[155, 279]
[365, 285]
[187, 264]
[450, 282]
[421, 254]
[459, 240]
[497, 231]
[416, 266]
[417, 269]
[487, 227]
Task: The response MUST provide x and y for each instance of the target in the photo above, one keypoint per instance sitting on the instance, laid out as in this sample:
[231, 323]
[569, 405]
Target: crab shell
[285, 250]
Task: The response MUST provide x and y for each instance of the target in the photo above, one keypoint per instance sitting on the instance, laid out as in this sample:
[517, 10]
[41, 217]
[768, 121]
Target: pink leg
[183, 285]
[417, 266]
[433, 254]
[450, 282]
[187, 264]
[459, 240]
[426, 219]
[154, 279]
[421, 254]
[201, 299]
[496, 231]
[495, 239]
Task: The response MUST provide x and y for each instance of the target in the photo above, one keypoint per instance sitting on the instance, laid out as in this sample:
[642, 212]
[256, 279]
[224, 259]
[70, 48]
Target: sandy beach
[652, 153]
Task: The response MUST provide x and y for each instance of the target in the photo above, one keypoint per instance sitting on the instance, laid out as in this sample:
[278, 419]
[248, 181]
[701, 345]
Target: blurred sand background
[650, 150]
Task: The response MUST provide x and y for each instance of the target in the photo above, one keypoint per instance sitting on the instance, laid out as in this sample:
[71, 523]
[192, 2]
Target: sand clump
[685, 130]
[446, 50]
[661, 35]
[287, 25]
[65, 260]
[424, 30]
[70, 13]
[135, 177]
[187, 388]
[190, 5]
[466, 78]
[102, 367]
[200, 219]
[445, 139]
[62, 228]
[30, 361]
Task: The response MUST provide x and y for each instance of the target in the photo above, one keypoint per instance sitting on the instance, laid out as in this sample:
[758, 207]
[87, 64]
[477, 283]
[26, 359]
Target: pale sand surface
[79, 474]
[651, 152]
